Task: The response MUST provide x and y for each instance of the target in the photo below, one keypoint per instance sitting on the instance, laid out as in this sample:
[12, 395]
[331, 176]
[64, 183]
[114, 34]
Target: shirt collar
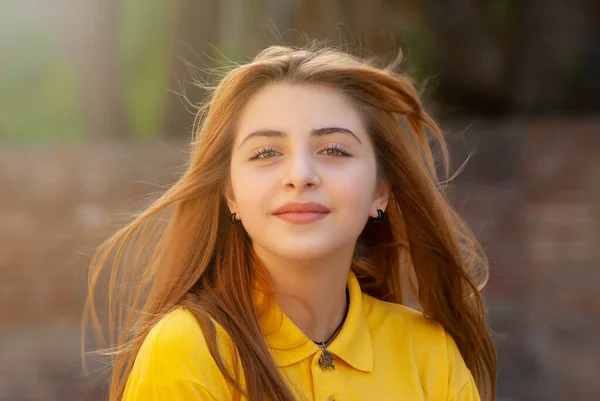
[289, 345]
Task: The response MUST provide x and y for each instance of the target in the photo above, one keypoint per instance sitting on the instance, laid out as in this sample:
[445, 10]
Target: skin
[300, 159]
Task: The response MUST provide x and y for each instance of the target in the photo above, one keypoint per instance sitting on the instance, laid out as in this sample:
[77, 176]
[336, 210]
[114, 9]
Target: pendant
[326, 360]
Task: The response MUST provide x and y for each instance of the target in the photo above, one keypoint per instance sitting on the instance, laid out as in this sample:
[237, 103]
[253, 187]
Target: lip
[302, 213]
[304, 207]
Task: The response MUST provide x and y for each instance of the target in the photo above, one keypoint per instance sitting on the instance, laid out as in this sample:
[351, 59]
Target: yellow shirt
[384, 351]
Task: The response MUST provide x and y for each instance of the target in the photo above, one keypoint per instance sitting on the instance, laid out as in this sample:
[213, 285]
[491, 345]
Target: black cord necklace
[326, 358]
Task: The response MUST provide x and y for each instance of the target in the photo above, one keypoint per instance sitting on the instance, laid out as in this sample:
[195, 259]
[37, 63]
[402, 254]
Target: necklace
[326, 358]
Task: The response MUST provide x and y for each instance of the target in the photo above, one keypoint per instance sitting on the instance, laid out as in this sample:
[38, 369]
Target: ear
[381, 197]
[230, 197]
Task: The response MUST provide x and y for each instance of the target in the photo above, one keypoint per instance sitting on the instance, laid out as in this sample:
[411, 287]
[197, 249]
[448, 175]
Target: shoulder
[434, 351]
[406, 327]
[179, 328]
[176, 349]
[401, 318]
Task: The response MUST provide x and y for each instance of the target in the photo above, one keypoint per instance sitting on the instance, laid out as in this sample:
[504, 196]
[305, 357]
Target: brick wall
[531, 192]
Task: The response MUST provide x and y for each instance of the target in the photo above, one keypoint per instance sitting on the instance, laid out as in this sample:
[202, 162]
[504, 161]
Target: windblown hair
[182, 250]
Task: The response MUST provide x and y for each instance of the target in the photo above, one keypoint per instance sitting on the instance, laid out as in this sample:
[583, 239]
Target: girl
[278, 266]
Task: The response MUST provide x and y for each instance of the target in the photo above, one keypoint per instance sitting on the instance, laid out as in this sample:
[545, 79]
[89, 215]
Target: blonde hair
[190, 254]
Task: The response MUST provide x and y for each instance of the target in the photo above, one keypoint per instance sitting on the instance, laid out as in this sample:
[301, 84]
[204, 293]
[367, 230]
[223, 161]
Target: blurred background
[91, 125]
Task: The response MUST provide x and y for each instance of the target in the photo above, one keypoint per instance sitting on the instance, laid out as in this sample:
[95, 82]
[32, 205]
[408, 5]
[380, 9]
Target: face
[303, 172]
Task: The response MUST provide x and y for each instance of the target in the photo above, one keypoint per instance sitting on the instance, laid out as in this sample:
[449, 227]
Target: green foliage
[38, 92]
[144, 49]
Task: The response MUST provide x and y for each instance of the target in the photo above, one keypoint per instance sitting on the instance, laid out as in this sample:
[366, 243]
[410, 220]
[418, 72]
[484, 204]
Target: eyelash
[260, 152]
[341, 152]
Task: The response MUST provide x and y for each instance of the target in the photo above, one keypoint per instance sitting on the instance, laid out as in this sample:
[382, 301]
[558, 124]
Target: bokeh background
[92, 125]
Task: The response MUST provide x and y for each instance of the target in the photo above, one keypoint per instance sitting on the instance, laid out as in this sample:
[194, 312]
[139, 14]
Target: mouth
[302, 213]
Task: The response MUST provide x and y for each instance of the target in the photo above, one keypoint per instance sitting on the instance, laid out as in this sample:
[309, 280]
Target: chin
[302, 249]
[303, 242]
[306, 248]
[302, 254]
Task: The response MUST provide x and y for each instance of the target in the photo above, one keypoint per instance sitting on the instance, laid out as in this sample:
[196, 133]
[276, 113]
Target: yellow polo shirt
[384, 351]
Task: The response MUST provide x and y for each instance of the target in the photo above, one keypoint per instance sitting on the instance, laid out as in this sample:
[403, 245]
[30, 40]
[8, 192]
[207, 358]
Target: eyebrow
[314, 133]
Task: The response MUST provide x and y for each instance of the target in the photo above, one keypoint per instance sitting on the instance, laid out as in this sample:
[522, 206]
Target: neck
[312, 293]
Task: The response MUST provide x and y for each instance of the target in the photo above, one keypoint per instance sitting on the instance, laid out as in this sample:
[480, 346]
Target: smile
[302, 213]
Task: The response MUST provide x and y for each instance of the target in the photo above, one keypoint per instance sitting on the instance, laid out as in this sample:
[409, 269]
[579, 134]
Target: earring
[379, 216]
[234, 220]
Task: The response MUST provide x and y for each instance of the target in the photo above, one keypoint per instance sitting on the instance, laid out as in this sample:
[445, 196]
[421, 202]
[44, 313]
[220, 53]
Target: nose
[301, 174]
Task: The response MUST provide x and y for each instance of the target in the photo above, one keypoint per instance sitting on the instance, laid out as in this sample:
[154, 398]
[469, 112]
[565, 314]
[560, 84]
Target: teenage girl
[280, 264]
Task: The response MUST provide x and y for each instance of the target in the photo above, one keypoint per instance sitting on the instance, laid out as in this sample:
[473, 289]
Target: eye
[336, 150]
[263, 153]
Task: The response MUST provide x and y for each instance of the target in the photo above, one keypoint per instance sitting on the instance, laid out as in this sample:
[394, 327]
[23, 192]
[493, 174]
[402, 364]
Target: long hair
[183, 249]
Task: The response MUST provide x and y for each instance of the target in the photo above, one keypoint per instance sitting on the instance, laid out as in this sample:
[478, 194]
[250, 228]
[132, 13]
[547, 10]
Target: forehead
[298, 109]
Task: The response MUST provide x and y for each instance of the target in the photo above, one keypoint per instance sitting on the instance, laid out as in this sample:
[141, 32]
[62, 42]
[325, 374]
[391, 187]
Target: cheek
[354, 189]
[252, 189]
